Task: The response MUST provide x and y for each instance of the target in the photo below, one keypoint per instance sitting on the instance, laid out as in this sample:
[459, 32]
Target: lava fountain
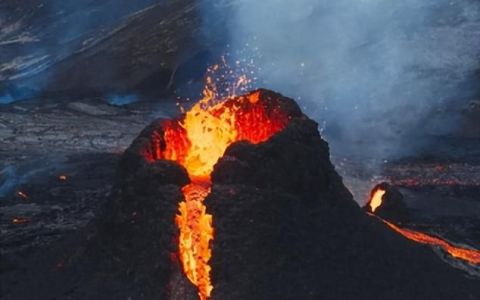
[196, 141]
[463, 253]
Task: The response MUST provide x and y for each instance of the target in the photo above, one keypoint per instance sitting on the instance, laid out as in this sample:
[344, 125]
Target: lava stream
[196, 232]
[469, 255]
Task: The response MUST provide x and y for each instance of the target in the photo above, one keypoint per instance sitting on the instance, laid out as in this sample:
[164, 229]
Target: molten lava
[196, 141]
[199, 139]
[376, 200]
[196, 232]
[465, 254]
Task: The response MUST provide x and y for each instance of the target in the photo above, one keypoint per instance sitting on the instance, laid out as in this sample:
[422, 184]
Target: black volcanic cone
[285, 228]
[393, 207]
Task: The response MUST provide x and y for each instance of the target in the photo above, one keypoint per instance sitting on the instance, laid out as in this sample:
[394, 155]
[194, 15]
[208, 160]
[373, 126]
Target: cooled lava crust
[285, 227]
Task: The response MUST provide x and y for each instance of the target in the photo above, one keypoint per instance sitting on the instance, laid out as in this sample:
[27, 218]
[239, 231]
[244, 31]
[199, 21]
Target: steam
[375, 74]
[8, 180]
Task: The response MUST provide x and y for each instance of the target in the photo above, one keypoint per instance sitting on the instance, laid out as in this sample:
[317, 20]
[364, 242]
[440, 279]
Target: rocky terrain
[282, 196]
[42, 141]
[58, 162]
[61, 144]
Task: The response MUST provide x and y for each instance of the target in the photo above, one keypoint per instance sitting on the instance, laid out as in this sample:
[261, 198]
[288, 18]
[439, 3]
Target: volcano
[237, 199]
[196, 141]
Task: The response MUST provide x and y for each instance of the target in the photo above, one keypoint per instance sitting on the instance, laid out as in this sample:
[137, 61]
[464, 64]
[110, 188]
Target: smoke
[376, 74]
[11, 177]
[8, 180]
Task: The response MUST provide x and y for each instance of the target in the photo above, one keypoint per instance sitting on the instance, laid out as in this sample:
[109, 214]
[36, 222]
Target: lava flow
[196, 141]
[465, 254]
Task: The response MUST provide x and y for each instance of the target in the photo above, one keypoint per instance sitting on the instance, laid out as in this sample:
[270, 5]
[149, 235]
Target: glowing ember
[376, 200]
[197, 141]
[20, 220]
[466, 254]
[22, 195]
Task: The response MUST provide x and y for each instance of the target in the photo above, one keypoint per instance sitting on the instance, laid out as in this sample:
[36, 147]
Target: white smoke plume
[373, 73]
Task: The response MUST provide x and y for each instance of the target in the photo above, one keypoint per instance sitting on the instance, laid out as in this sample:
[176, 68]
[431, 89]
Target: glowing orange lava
[376, 200]
[196, 232]
[210, 126]
[466, 254]
[197, 141]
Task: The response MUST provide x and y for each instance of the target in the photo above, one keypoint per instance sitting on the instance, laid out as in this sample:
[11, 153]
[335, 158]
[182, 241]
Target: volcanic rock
[139, 229]
[285, 228]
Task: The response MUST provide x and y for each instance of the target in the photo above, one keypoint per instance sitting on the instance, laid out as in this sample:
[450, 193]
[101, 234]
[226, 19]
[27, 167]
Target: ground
[43, 140]
[59, 149]
[58, 161]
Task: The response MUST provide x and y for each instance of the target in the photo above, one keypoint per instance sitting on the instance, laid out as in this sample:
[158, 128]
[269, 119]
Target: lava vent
[238, 199]
[196, 141]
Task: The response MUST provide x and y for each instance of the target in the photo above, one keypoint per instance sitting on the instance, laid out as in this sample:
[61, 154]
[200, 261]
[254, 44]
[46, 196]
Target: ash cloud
[379, 76]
